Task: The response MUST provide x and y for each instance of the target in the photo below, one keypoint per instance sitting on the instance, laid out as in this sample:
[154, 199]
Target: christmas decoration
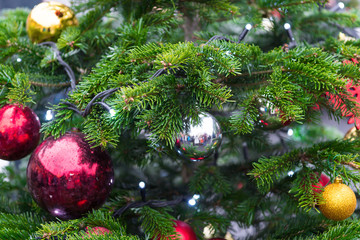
[352, 134]
[199, 140]
[340, 201]
[97, 231]
[269, 116]
[184, 231]
[354, 90]
[67, 177]
[47, 20]
[323, 181]
[19, 131]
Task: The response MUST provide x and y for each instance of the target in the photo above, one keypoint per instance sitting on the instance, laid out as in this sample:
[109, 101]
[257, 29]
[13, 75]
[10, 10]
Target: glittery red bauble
[67, 177]
[19, 131]
[184, 231]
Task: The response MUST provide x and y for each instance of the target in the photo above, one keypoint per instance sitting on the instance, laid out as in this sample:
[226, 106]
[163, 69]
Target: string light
[196, 196]
[287, 26]
[49, 115]
[290, 173]
[290, 132]
[290, 34]
[112, 112]
[142, 185]
[244, 32]
[341, 5]
[192, 202]
[18, 59]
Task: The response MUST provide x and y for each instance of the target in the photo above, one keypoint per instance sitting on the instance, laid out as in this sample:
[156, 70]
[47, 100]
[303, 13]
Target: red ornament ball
[184, 231]
[67, 177]
[19, 131]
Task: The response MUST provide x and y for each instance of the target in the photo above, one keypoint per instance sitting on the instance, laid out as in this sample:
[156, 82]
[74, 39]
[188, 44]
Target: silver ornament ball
[269, 116]
[199, 139]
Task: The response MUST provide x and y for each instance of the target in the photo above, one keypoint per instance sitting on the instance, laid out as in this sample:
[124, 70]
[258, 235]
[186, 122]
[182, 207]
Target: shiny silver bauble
[199, 139]
[269, 116]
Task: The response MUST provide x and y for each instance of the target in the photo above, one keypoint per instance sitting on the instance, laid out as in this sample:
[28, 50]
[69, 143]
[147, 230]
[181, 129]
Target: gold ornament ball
[340, 201]
[46, 21]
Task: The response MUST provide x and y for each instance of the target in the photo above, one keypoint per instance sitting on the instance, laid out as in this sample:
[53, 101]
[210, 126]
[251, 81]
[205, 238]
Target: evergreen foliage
[138, 80]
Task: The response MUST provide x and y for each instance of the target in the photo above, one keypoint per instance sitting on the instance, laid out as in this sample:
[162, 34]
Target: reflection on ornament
[67, 177]
[269, 116]
[19, 131]
[340, 201]
[267, 24]
[47, 20]
[352, 134]
[199, 140]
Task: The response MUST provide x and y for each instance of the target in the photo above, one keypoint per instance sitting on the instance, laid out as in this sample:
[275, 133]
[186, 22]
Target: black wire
[66, 66]
[150, 203]
[105, 94]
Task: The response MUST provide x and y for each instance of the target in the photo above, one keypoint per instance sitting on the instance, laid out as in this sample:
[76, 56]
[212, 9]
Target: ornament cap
[338, 179]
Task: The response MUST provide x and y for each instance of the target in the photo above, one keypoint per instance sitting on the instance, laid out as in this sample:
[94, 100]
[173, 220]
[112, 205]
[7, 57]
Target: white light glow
[112, 112]
[290, 132]
[49, 115]
[18, 60]
[341, 5]
[196, 196]
[192, 202]
[142, 185]
[287, 26]
[248, 26]
[291, 173]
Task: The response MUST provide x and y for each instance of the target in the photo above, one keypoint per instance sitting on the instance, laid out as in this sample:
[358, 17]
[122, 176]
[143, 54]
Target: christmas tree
[182, 119]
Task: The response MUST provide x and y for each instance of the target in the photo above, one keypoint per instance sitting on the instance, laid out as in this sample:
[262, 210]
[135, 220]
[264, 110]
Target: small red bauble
[184, 231]
[323, 181]
[97, 231]
[67, 177]
[19, 131]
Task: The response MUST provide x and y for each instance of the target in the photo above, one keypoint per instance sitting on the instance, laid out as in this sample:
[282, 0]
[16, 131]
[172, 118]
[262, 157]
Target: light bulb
[142, 185]
[49, 115]
[287, 26]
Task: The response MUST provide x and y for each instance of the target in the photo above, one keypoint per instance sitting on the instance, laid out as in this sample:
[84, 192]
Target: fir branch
[20, 91]
[209, 178]
[157, 224]
[61, 123]
[20, 226]
[346, 230]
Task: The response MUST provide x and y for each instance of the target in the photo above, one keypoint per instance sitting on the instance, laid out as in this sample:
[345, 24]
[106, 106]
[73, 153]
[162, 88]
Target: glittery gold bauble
[340, 201]
[46, 21]
[352, 134]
